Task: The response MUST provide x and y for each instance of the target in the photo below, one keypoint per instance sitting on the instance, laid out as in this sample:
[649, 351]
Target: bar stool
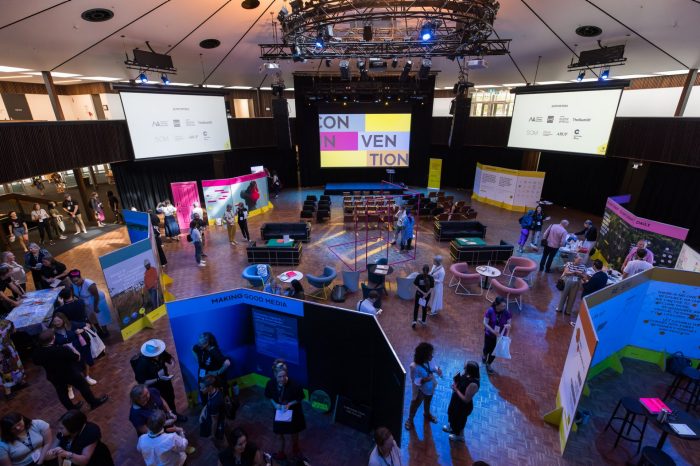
[654, 457]
[692, 388]
[633, 408]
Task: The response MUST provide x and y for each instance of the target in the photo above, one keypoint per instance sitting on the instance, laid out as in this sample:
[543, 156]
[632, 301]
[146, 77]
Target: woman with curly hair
[423, 383]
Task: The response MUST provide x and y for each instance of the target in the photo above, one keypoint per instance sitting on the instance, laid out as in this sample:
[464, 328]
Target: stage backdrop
[249, 189]
[326, 348]
[621, 229]
[516, 190]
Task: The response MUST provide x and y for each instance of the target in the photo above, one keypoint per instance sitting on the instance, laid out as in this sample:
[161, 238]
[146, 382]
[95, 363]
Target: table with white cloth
[613, 275]
[35, 310]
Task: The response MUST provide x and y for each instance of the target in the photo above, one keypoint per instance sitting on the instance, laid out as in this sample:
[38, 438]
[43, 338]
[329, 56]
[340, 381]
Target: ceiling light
[250, 4]
[100, 78]
[15, 77]
[12, 69]
[345, 70]
[265, 88]
[319, 41]
[181, 84]
[424, 68]
[214, 86]
[427, 31]
[406, 69]
[367, 32]
[97, 15]
[164, 78]
[142, 78]
[584, 80]
[239, 87]
[486, 86]
[605, 75]
[634, 76]
[581, 75]
[210, 43]
[55, 74]
[513, 84]
[670, 73]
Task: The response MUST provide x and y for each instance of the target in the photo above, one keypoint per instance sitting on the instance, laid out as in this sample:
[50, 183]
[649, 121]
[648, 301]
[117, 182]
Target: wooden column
[53, 95]
[685, 94]
[531, 160]
[88, 214]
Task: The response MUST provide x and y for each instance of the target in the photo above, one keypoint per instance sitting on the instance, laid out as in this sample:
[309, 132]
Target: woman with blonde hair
[286, 397]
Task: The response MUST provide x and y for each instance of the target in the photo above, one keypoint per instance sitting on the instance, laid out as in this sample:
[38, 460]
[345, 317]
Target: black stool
[654, 457]
[633, 408]
[692, 388]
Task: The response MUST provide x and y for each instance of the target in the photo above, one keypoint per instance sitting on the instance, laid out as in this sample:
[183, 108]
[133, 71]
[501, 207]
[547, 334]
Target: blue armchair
[251, 274]
[404, 286]
[322, 282]
[351, 280]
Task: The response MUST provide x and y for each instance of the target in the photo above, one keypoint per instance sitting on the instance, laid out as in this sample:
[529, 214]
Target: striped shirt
[573, 268]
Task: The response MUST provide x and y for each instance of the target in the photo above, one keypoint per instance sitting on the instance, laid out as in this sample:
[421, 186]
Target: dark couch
[273, 255]
[300, 231]
[450, 229]
[481, 254]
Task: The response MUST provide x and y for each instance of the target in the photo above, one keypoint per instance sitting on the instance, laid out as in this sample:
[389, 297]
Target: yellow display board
[435, 173]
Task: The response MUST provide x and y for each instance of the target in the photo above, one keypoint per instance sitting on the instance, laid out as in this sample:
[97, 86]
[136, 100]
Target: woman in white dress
[438, 273]
[172, 229]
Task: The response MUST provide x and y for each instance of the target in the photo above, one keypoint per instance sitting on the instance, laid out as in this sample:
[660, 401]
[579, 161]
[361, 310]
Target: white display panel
[572, 121]
[162, 125]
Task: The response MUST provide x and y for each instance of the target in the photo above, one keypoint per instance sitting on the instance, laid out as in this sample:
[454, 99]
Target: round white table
[486, 271]
[289, 275]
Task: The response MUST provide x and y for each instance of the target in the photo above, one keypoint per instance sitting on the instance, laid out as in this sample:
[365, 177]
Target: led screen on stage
[572, 121]
[162, 125]
[364, 140]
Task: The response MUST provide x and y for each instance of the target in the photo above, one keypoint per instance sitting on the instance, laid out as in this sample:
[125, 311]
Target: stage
[373, 188]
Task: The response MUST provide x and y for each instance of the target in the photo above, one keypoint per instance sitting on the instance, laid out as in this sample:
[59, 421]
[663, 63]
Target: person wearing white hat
[150, 369]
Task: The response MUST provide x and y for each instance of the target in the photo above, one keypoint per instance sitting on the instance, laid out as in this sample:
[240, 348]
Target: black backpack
[676, 363]
[339, 293]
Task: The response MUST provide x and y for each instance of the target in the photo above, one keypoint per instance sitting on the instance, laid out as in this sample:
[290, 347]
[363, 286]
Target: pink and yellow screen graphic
[364, 140]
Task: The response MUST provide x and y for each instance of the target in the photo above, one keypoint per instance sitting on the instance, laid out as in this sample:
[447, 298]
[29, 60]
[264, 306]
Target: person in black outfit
[114, 206]
[295, 290]
[212, 416]
[159, 246]
[210, 361]
[423, 283]
[79, 442]
[62, 369]
[598, 281]
[464, 387]
[73, 308]
[240, 452]
[151, 369]
[242, 214]
[590, 235]
[32, 261]
[286, 395]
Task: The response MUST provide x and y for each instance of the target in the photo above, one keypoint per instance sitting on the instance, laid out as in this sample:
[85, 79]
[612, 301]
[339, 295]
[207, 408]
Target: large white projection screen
[162, 125]
[569, 121]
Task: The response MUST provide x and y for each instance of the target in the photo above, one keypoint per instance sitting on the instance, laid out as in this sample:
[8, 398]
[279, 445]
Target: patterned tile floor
[506, 427]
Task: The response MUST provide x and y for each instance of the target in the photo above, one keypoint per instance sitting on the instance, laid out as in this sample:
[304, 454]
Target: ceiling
[47, 39]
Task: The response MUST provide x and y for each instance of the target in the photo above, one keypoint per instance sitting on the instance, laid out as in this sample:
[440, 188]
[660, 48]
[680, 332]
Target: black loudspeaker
[459, 109]
[280, 116]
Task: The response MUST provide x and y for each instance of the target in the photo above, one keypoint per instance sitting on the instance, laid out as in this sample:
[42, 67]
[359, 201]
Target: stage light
[143, 79]
[164, 78]
[345, 70]
[367, 32]
[424, 68]
[394, 62]
[284, 12]
[328, 62]
[296, 54]
[427, 31]
[580, 76]
[406, 69]
[319, 41]
[605, 75]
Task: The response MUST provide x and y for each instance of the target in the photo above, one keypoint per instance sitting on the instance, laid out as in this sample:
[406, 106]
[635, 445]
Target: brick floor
[506, 427]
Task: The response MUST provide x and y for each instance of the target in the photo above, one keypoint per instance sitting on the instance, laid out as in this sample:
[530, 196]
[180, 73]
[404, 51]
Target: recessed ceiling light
[633, 76]
[448, 87]
[546, 83]
[513, 85]
[97, 15]
[588, 31]
[239, 87]
[210, 43]
[214, 86]
[486, 86]
[265, 88]
[100, 78]
[181, 84]
[669, 73]
[55, 74]
[12, 69]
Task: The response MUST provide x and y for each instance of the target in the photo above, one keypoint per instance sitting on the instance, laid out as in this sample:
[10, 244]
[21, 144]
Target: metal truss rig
[459, 28]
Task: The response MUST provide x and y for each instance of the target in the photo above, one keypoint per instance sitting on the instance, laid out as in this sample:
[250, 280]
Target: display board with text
[517, 190]
[251, 190]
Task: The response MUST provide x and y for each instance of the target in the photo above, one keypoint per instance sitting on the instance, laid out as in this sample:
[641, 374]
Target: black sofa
[450, 229]
[481, 254]
[274, 255]
[300, 231]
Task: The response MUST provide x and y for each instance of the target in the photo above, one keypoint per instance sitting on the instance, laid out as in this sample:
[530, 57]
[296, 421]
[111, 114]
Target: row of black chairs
[322, 210]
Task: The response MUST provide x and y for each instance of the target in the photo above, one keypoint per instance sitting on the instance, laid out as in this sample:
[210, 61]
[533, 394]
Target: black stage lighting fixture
[345, 70]
[424, 68]
[581, 75]
[406, 69]
[367, 32]
[328, 62]
[394, 62]
[278, 89]
[250, 4]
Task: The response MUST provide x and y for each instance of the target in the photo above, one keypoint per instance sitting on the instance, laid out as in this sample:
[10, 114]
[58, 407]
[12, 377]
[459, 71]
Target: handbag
[502, 349]
[560, 284]
[61, 225]
[676, 363]
[189, 238]
[97, 346]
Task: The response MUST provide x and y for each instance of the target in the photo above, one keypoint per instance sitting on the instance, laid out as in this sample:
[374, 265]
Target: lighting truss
[461, 28]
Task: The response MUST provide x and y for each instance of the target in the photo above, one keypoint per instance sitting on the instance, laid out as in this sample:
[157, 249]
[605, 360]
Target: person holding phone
[423, 374]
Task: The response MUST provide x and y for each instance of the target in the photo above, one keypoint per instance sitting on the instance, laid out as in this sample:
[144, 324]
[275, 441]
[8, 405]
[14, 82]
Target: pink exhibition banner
[184, 195]
[250, 189]
[646, 224]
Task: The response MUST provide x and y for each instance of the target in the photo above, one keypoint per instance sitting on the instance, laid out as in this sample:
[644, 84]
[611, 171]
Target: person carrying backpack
[525, 224]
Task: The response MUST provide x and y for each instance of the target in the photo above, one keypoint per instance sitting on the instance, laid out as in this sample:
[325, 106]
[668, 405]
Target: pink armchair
[462, 277]
[517, 290]
[520, 267]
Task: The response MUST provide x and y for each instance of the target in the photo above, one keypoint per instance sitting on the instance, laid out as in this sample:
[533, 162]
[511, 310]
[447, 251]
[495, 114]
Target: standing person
[242, 214]
[7, 303]
[79, 442]
[17, 272]
[464, 387]
[423, 283]
[538, 219]
[23, 441]
[151, 370]
[32, 261]
[210, 361]
[367, 305]
[230, 219]
[399, 217]
[407, 231]
[597, 281]
[638, 265]
[385, 452]
[73, 334]
[41, 218]
[276, 184]
[11, 367]
[97, 208]
[18, 230]
[196, 236]
[172, 228]
[590, 235]
[150, 283]
[39, 184]
[555, 236]
[423, 383]
[212, 416]
[496, 324]
[641, 244]
[199, 223]
[285, 396]
[241, 452]
[72, 208]
[72, 307]
[196, 211]
[56, 221]
[113, 202]
[525, 225]
[162, 446]
[96, 307]
[159, 246]
[59, 362]
[438, 274]
[572, 275]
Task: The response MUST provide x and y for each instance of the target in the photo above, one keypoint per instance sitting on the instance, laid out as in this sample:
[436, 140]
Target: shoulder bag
[543, 242]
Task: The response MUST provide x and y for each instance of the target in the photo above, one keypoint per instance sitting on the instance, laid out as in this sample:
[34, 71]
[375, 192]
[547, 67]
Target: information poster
[217, 195]
[251, 190]
[276, 335]
[435, 173]
[620, 231]
[516, 190]
[688, 259]
[185, 194]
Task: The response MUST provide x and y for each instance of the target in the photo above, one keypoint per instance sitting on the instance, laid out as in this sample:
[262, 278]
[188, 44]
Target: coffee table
[677, 417]
[35, 309]
[289, 275]
[486, 271]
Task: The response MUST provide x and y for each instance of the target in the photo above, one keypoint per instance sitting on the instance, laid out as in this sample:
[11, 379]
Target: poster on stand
[434, 173]
[688, 259]
[251, 190]
[185, 194]
[516, 190]
[620, 231]
[217, 195]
